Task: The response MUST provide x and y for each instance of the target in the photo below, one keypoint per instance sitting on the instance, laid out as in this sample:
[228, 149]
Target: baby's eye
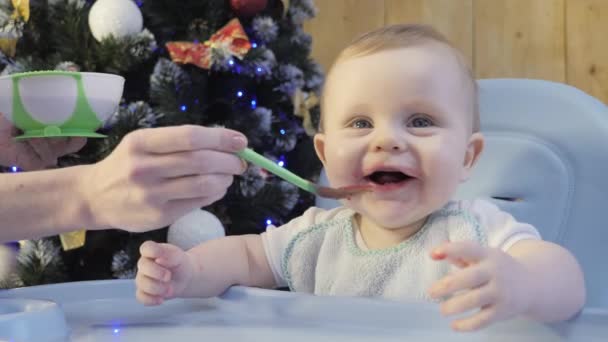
[361, 124]
[420, 122]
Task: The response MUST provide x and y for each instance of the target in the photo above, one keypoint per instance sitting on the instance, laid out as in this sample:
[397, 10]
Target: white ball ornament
[193, 228]
[118, 18]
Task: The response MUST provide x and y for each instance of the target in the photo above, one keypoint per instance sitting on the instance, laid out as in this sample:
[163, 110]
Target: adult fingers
[43, 151]
[187, 138]
[198, 162]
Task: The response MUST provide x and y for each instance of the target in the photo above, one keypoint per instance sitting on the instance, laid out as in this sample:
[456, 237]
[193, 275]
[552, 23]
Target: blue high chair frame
[544, 163]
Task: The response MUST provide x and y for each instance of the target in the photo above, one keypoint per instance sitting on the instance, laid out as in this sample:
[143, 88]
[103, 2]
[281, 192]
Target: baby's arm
[165, 271]
[516, 274]
[221, 263]
[207, 270]
[557, 284]
[534, 278]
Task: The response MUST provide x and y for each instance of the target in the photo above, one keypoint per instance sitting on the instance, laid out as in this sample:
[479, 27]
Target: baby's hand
[163, 272]
[489, 280]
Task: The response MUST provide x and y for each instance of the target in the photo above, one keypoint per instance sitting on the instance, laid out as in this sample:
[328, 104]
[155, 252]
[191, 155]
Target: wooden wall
[558, 40]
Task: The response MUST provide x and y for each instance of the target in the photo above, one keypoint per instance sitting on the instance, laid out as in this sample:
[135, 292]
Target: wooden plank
[338, 22]
[587, 51]
[520, 38]
[452, 18]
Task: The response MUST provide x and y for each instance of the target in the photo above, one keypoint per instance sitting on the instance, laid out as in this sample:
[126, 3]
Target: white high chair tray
[108, 311]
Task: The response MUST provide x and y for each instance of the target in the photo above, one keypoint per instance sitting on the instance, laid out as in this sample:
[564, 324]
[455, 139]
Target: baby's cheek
[341, 153]
[339, 158]
[341, 166]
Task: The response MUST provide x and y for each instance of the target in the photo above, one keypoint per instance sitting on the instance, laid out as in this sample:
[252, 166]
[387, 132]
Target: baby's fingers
[150, 249]
[461, 253]
[468, 278]
[481, 319]
[165, 254]
[469, 300]
[147, 299]
[149, 268]
[152, 286]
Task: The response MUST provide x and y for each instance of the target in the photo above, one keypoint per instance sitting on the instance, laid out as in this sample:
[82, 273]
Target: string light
[281, 163]
[254, 104]
[231, 62]
[116, 327]
[268, 222]
[183, 108]
[240, 93]
[282, 131]
[15, 168]
[254, 45]
[258, 70]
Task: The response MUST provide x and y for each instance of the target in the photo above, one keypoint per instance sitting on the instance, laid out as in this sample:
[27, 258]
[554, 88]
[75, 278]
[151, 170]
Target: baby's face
[399, 120]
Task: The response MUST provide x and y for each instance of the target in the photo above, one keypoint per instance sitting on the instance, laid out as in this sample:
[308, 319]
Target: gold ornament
[21, 10]
[8, 45]
[73, 240]
[11, 32]
[303, 102]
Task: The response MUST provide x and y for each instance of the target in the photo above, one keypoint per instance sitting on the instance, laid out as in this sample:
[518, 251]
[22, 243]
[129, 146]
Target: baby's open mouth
[387, 177]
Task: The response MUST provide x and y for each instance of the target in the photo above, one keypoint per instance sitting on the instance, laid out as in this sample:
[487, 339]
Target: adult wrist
[85, 199]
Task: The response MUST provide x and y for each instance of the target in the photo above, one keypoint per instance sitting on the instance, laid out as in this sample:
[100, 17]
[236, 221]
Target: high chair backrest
[546, 162]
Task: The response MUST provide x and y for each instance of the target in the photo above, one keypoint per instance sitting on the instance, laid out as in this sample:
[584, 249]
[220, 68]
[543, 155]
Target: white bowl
[60, 103]
[31, 320]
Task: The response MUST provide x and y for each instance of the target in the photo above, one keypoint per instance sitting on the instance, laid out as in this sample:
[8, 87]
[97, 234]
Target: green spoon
[323, 191]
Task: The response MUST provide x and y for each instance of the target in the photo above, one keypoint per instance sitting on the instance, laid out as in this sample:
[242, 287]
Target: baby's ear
[319, 141]
[474, 149]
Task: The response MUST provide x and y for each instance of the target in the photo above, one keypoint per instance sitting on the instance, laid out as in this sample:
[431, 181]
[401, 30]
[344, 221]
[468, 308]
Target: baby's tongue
[388, 177]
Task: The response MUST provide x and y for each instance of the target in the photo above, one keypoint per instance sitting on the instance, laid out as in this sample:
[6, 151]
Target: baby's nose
[393, 148]
[389, 142]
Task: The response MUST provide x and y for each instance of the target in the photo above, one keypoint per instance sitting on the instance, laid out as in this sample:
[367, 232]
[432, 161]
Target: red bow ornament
[231, 37]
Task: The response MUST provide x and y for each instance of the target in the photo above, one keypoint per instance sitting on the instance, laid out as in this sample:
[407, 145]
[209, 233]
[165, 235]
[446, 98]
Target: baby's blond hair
[403, 36]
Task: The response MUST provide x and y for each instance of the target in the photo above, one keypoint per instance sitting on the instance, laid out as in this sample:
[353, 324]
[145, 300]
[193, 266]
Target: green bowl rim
[59, 72]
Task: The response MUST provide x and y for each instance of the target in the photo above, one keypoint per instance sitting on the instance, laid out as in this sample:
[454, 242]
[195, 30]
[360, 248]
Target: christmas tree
[241, 64]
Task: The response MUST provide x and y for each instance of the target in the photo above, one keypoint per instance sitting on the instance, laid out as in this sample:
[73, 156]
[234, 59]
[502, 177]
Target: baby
[400, 115]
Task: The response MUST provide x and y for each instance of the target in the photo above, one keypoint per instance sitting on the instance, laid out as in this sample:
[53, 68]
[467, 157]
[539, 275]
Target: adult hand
[156, 175]
[33, 154]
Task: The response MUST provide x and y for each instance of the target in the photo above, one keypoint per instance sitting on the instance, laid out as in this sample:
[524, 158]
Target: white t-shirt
[500, 230]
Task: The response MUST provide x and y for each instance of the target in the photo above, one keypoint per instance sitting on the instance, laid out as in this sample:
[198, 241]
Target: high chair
[546, 162]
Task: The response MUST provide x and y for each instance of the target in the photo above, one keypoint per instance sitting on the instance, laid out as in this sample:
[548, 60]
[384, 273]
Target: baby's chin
[390, 218]
[395, 223]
